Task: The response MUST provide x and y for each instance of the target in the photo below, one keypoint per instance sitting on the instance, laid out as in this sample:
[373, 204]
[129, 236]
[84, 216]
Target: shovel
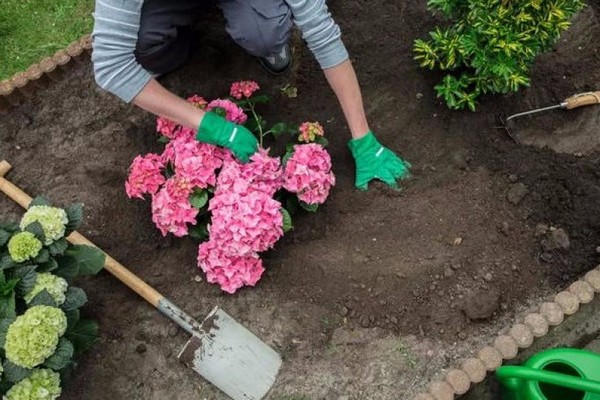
[220, 349]
[575, 101]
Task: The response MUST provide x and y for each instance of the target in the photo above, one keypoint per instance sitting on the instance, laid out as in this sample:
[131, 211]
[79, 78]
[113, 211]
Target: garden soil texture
[377, 292]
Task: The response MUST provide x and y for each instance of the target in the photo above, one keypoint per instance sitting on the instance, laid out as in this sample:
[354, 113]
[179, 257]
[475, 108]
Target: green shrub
[491, 44]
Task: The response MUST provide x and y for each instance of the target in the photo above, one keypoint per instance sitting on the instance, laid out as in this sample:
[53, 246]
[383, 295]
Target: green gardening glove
[218, 131]
[374, 161]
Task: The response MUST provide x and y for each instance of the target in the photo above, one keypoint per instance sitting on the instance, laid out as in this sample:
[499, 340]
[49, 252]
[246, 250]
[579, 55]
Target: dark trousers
[261, 27]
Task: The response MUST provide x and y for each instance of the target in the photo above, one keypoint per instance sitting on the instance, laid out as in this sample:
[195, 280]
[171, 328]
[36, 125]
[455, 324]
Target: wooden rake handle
[111, 265]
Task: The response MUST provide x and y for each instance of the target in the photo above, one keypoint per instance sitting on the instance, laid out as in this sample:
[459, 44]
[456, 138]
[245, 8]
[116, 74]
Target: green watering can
[558, 374]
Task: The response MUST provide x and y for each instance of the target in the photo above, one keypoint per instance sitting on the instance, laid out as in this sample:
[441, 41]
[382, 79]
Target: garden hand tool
[374, 161]
[220, 349]
[218, 131]
[575, 101]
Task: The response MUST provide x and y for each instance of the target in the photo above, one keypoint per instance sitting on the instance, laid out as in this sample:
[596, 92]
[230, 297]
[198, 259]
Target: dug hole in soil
[377, 292]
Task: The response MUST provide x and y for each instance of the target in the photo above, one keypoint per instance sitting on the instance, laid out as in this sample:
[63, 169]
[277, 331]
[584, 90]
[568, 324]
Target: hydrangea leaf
[43, 298]
[90, 259]
[287, 220]
[7, 305]
[199, 198]
[75, 216]
[14, 373]
[72, 318]
[4, 324]
[58, 247]
[37, 229]
[67, 267]
[42, 257]
[76, 298]
[26, 278]
[309, 207]
[40, 201]
[4, 236]
[83, 335]
[62, 356]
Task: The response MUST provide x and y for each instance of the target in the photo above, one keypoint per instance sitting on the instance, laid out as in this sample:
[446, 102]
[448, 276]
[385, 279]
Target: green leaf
[8, 306]
[72, 318]
[14, 373]
[40, 201]
[43, 299]
[163, 140]
[42, 257]
[62, 356]
[26, 276]
[287, 220]
[6, 262]
[199, 198]
[10, 227]
[322, 141]
[75, 216]
[290, 91]
[4, 324]
[281, 128]
[292, 204]
[67, 267]
[58, 247]
[4, 236]
[260, 99]
[309, 207]
[198, 231]
[75, 298]
[83, 335]
[48, 266]
[36, 228]
[7, 287]
[90, 259]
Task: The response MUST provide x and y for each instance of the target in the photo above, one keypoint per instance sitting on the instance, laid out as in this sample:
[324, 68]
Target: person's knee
[162, 51]
[265, 34]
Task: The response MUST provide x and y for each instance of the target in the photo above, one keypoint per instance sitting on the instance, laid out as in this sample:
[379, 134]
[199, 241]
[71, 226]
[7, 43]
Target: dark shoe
[279, 63]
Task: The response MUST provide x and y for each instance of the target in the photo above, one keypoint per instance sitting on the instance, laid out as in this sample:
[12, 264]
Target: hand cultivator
[220, 349]
[575, 101]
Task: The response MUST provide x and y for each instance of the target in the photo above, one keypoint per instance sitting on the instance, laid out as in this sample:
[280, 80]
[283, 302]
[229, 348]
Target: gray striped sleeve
[319, 30]
[115, 35]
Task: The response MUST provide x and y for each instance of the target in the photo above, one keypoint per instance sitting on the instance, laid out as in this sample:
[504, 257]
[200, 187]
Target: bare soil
[373, 295]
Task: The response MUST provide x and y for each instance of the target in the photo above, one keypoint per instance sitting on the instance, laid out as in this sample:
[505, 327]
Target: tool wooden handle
[582, 99]
[111, 265]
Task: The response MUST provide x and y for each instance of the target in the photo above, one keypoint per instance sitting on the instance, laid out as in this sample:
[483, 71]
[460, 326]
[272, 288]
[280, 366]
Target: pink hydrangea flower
[243, 89]
[230, 272]
[198, 101]
[309, 131]
[166, 127]
[171, 212]
[245, 223]
[308, 173]
[233, 113]
[263, 173]
[179, 187]
[145, 175]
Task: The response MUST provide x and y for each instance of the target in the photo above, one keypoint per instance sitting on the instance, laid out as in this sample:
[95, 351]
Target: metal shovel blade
[232, 358]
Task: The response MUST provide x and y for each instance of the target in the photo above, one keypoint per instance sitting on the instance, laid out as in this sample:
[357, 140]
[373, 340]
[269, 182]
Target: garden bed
[370, 297]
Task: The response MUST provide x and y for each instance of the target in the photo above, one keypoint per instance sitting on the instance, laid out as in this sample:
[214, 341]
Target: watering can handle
[571, 382]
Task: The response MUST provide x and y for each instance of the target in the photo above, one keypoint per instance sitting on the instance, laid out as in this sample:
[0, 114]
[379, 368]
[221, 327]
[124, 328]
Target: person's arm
[323, 36]
[116, 26]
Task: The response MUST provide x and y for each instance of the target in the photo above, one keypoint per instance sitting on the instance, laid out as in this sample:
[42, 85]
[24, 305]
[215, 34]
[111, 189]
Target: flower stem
[260, 131]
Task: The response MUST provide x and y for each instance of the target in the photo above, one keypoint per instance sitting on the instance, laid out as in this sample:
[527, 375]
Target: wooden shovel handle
[111, 265]
[582, 99]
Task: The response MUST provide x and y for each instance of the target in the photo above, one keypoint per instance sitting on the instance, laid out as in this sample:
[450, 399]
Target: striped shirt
[115, 35]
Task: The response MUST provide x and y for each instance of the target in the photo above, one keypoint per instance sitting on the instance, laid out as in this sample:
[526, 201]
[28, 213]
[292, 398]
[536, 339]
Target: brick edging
[22, 85]
[521, 335]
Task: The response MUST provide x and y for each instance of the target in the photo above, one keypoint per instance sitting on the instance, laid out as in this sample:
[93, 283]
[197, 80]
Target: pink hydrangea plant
[233, 113]
[309, 131]
[243, 89]
[308, 173]
[145, 176]
[230, 272]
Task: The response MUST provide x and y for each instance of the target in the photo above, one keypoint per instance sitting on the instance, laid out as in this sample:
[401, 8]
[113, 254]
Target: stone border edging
[22, 85]
[506, 346]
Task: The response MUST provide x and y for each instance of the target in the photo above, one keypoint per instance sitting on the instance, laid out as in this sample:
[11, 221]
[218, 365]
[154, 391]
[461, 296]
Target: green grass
[33, 29]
